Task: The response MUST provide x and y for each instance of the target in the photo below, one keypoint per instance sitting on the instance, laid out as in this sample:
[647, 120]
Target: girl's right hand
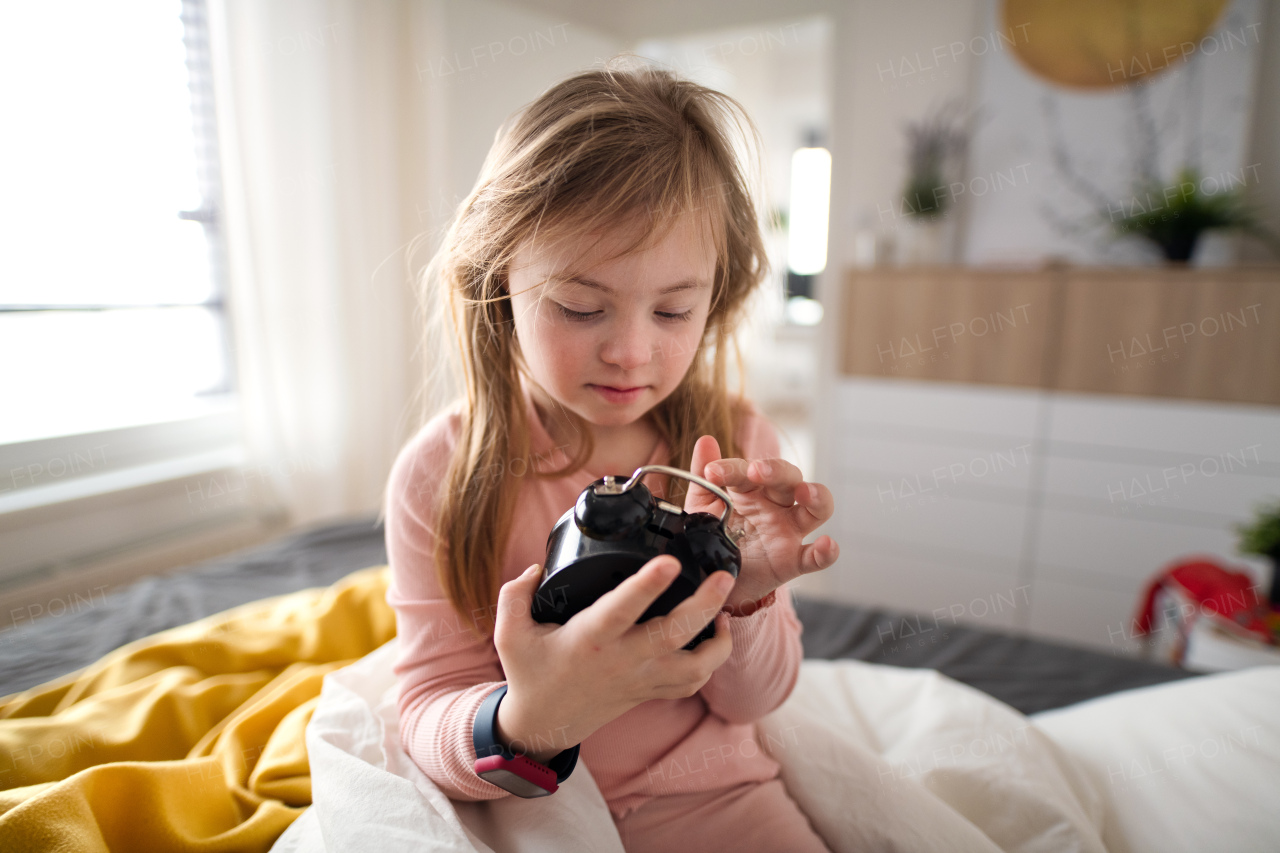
[566, 681]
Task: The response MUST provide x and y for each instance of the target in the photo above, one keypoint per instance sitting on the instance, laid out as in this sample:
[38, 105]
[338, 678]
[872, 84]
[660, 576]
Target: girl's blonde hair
[613, 145]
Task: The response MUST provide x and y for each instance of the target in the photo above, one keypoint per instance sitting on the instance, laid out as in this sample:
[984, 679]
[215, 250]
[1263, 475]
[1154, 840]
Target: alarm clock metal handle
[685, 475]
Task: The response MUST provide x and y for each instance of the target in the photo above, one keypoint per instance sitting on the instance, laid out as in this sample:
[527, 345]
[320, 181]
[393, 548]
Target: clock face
[1098, 44]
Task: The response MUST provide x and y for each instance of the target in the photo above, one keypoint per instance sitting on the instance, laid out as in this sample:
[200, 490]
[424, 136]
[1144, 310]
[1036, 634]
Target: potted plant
[1174, 214]
[935, 145]
[1262, 536]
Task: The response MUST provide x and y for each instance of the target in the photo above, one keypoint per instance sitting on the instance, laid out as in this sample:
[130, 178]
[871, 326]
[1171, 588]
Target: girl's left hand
[774, 508]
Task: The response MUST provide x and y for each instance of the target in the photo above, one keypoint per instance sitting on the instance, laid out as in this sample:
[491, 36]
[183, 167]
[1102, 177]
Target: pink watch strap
[530, 771]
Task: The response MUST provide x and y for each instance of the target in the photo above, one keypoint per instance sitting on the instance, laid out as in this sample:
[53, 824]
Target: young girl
[593, 279]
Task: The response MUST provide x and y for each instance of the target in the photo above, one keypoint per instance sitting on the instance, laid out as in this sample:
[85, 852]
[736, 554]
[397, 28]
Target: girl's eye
[576, 315]
[587, 315]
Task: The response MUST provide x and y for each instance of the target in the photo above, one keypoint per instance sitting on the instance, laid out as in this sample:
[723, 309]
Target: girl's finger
[614, 613]
[780, 479]
[514, 600]
[732, 474]
[819, 555]
[777, 478]
[668, 633]
[814, 505]
[698, 499]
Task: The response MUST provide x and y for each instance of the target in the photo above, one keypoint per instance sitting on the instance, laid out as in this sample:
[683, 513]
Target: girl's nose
[628, 344]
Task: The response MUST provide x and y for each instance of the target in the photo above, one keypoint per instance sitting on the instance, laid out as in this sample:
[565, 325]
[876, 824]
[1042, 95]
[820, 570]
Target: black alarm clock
[614, 528]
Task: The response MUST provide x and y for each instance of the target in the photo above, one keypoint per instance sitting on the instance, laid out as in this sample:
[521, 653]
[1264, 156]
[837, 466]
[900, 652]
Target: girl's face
[614, 339]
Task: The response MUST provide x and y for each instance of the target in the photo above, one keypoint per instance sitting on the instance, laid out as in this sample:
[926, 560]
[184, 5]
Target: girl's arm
[444, 675]
[765, 662]
[444, 671]
[762, 668]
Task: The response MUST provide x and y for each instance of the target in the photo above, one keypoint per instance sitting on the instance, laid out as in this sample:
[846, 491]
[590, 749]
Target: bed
[1027, 674]
[257, 707]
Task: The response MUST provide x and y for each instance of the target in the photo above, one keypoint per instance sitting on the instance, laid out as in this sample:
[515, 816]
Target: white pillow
[1190, 765]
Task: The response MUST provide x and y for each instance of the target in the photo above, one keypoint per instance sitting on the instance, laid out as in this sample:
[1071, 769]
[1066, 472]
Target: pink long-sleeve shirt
[662, 746]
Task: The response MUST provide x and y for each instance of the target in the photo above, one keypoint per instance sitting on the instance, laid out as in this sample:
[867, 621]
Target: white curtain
[324, 152]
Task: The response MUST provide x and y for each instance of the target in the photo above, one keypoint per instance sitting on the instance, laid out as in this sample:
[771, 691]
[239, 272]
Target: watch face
[517, 785]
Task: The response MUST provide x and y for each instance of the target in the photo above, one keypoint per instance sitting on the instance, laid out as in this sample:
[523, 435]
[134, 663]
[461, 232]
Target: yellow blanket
[191, 739]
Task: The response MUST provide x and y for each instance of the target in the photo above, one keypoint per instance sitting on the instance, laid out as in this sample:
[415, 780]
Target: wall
[875, 93]
[1264, 143]
[476, 63]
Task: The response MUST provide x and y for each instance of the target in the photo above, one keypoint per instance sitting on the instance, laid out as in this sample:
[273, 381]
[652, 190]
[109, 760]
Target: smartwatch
[518, 774]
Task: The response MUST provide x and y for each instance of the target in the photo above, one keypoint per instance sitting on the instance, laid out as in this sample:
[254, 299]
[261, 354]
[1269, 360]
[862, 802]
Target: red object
[1215, 590]
[750, 607]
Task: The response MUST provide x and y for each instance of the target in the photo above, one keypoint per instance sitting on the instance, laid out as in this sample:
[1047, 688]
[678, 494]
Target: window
[114, 345]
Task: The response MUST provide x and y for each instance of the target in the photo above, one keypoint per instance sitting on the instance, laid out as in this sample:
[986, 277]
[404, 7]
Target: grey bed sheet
[1028, 674]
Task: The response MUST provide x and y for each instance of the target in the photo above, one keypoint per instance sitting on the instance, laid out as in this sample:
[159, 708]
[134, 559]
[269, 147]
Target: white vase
[925, 240]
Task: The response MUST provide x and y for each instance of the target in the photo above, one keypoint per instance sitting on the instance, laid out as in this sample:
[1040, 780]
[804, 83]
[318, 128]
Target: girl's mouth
[618, 395]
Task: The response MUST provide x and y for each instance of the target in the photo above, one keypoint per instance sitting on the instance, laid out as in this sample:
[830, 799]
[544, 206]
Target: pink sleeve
[443, 671]
[762, 670]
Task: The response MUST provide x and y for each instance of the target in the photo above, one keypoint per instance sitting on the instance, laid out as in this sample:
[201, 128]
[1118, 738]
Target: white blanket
[879, 758]
[1190, 765]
